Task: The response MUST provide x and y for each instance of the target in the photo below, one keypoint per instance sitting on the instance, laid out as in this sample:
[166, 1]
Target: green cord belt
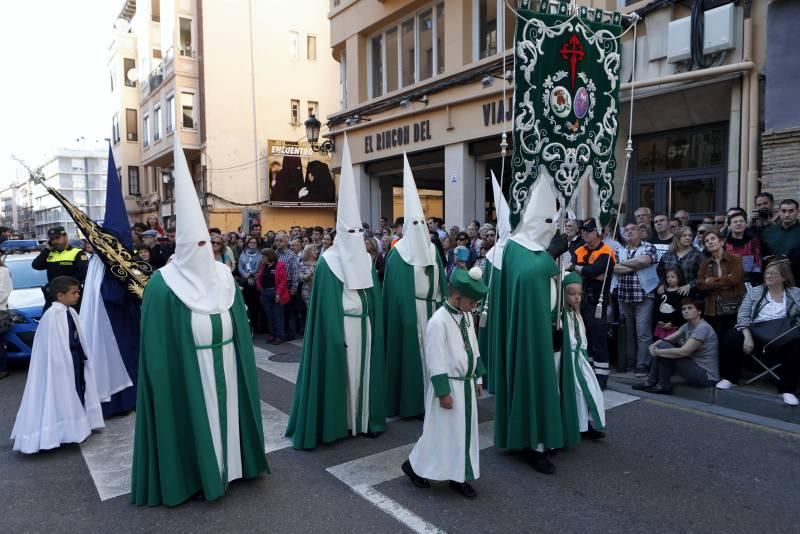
[214, 345]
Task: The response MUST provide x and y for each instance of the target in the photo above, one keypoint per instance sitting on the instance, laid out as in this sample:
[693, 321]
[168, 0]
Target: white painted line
[109, 454]
[362, 474]
[297, 342]
[275, 423]
[615, 398]
[285, 370]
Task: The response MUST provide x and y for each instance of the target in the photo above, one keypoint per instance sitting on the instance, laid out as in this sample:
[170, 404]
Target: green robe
[173, 453]
[405, 385]
[488, 335]
[319, 409]
[527, 401]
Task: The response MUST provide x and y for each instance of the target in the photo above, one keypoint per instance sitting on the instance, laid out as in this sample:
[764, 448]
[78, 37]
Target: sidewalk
[760, 400]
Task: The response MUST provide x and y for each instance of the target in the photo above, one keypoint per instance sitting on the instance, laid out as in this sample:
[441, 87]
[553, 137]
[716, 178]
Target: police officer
[591, 261]
[59, 258]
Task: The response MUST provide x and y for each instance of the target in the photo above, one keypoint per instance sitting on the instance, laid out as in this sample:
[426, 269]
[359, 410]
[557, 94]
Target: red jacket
[281, 281]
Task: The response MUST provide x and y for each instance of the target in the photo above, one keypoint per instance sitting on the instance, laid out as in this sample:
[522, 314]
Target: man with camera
[782, 237]
[763, 215]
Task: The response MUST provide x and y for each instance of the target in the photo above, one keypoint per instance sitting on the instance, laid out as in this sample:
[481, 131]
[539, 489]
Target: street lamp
[313, 126]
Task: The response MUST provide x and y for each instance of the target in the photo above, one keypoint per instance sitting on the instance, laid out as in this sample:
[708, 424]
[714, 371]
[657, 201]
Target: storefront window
[695, 195]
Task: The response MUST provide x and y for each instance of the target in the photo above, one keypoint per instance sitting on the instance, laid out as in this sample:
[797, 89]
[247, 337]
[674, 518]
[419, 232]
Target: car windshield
[24, 276]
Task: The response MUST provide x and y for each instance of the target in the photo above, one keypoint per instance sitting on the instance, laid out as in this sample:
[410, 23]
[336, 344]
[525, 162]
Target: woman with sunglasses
[218, 248]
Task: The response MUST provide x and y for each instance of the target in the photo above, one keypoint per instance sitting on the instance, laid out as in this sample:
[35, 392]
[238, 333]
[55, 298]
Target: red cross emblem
[572, 51]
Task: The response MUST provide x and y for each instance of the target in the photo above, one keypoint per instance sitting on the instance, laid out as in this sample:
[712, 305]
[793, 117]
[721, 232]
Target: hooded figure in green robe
[414, 286]
[527, 400]
[198, 412]
[341, 384]
[490, 328]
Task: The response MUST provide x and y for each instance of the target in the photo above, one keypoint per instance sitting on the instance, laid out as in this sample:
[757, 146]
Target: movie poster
[298, 177]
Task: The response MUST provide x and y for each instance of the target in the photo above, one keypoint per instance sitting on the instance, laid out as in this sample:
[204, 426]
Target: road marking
[297, 343]
[363, 474]
[285, 370]
[109, 454]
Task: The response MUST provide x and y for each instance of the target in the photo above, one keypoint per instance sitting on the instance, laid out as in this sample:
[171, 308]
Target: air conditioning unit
[719, 34]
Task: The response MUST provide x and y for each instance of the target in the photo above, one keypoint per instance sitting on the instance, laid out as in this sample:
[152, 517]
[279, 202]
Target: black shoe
[417, 480]
[661, 390]
[592, 434]
[464, 489]
[372, 435]
[643, 387]
[540, 463]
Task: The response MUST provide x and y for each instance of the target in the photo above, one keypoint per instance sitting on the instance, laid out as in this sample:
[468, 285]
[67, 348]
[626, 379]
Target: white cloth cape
[109, 368]
[440, 453]
[495, 254]
[534, 232]
[415, 247]
[51, 412]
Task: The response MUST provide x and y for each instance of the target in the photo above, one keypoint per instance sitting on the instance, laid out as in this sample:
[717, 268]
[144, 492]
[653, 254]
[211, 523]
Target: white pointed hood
[415, 248]
[503, 225]
[348, 258]
[203, 284]
[537, 227]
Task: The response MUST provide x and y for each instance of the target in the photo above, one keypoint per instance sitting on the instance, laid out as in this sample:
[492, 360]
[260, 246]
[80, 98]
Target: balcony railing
[156, 77]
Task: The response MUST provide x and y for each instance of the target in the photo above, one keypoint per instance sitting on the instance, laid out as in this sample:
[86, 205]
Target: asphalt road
[663, 467]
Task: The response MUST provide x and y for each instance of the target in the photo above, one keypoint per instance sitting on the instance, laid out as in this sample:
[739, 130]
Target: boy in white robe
[60, 403]
[448, 448]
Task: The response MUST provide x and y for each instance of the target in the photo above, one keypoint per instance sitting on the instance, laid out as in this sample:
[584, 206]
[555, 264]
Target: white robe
[202, 332]
[587, 389]
[358, 362]
[424, 308]
[51, 412]
[109, 369]
[441, 453]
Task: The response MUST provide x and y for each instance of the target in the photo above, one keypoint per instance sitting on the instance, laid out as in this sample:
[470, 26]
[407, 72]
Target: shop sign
[497, 112]
[399, 136]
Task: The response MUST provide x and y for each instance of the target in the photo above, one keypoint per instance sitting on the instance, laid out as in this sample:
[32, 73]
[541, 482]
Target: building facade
[78, 174]
[427, 77]
[226, 76]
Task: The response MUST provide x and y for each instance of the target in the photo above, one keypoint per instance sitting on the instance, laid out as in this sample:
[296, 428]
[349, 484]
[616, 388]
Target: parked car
[25, 303]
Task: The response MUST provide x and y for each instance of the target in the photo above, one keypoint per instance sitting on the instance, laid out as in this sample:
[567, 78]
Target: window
[343, 80]
[157, 123]
[407, 53]
[376, 50]
[155, 10]
[489, 17]
[187, 50]
[392, 59]
[146, 131]
[115, 128]
[313, 108]
[78, 164]
[294, 38]
[156, 53]
[311, 47]
[187, 110]
[131, 125]
[425, 29]
[487, 28]
[170, 113]
[128, 65]
[294, 112]
[133, 181]
[407, 47]
[112, 80]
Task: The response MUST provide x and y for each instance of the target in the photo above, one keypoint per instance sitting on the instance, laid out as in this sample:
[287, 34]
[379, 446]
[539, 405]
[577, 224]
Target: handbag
[727, 305]
[775, 333]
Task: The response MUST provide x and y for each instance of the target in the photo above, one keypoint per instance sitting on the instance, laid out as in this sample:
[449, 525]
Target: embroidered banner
[566, 98]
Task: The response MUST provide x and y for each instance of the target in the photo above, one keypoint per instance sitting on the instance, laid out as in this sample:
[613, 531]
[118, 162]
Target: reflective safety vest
[585, 256]
[64, 257]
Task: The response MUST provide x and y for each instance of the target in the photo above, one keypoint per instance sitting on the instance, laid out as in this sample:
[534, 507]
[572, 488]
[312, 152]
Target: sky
[53, 56]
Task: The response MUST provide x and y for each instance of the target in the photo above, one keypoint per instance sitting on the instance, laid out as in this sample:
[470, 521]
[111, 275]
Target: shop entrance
[680, 170]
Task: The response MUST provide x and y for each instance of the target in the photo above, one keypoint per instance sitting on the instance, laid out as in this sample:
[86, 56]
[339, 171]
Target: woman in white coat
[448, 448]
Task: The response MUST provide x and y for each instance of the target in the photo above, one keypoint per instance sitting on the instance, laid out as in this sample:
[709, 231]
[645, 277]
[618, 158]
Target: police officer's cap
[589, 225]
[56, 232]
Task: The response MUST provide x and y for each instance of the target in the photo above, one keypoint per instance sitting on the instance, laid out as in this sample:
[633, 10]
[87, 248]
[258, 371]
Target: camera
[763, 213]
